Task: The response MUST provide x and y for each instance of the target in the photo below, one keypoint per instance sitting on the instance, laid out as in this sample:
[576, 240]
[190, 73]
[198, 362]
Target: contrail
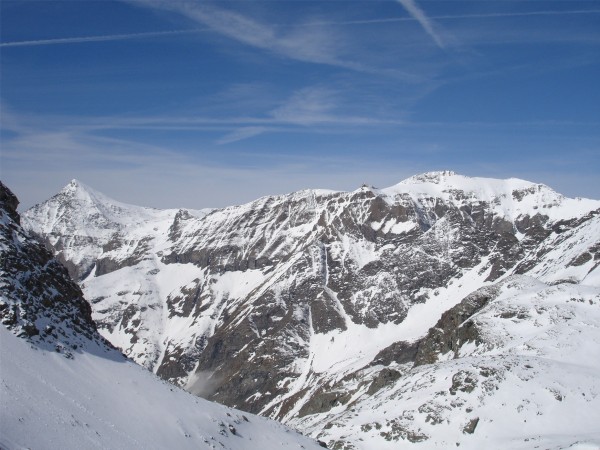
[518, 14]
[416, 12]
[110, 37]
[116, 37]
[452, 17]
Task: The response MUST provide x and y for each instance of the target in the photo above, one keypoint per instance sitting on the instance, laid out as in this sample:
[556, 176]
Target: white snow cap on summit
[453, 180]
[75, 185]
[431, 177]
[81, 191]
[440, 184]
[510, 197]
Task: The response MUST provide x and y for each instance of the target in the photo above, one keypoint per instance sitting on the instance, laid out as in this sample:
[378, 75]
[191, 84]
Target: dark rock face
[107, 264]
[464, 382]
[386, 377]
[324, 401]
[38, 300]
[399, 353]
[9, 203]
[454, 328]
[248, 363]
[470, 427]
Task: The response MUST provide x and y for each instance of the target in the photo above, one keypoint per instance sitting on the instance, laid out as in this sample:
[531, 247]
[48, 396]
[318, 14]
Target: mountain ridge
[275, 302]
[432, 177]
[63, 386]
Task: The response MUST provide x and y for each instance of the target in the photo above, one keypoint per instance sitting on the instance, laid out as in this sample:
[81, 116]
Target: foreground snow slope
[100, 400]
[64, 387]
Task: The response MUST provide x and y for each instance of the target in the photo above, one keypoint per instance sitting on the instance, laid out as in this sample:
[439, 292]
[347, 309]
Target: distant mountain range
[64, 387]
[443, 310]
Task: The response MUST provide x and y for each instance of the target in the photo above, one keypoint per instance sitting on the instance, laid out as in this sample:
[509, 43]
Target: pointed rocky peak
[73, 197]
[74, 184]
[68, 209]
[79, 207]
[81, 192]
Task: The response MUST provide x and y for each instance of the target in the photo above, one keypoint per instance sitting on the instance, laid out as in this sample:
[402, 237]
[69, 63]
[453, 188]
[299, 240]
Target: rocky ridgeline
[299, 306]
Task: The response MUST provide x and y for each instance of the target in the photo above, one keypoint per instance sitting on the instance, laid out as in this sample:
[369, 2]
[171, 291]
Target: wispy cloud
[455, 17]
[109, 37]
[42, 158]
[416, 12]
[286, 42]
[317, 108]
[149, 34]
[241, 134]
[307, 106]
[298, 41]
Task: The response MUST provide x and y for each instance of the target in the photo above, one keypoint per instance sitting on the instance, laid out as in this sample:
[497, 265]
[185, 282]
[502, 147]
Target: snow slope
[531, 379]
[100, 400]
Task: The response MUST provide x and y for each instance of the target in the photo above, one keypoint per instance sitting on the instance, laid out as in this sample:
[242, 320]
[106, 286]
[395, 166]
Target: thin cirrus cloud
[309, 109]
[416, 15]
[101, 38]
[420, 16]
[241, 134]
[299, 42]
[303, 47]
[458, 17]
[289, 41]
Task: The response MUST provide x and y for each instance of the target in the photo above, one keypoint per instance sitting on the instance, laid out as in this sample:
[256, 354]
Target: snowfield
[100, 400]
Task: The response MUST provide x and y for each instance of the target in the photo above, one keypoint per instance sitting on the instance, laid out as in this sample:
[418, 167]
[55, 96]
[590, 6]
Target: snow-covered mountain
[64, 387]
[366, 317]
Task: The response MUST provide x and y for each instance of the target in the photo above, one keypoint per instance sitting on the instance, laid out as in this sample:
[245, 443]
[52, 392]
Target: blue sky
[171, 103]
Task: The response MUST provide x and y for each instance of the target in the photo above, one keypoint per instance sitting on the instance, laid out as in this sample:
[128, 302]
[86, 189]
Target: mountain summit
[319, 306]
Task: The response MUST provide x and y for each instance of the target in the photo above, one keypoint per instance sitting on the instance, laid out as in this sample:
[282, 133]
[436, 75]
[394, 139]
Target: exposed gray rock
[470, 427]
[384, 378]
[399, 352]
[454, 327]
[323, 402]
